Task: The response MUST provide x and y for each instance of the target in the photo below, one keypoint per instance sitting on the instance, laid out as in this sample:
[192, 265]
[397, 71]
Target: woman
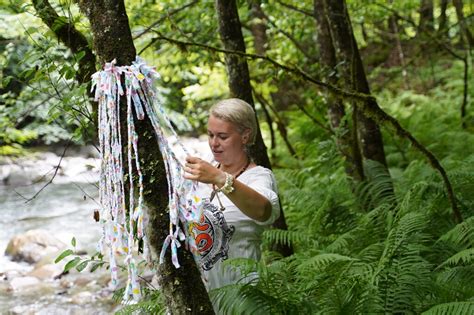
[247, 192]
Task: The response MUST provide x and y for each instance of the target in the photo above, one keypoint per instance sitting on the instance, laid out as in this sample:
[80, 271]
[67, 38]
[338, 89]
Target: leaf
[63, 255]
[451, 308]
[71, 264]
[80, 55]
[73, 242]
[96, 266]
[82, 265]
[6, 80]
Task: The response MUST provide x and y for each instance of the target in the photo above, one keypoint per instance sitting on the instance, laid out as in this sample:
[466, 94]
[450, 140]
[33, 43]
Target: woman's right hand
[202, 171]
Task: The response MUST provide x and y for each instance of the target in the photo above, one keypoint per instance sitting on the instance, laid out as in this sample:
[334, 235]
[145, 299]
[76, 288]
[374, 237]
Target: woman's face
[225, 141]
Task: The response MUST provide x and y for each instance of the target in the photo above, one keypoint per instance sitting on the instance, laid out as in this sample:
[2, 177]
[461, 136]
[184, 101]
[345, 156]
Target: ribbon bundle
[121, 229]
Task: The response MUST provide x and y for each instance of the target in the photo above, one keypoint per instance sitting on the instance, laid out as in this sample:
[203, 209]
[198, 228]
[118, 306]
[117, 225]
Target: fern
[286, 237]
[459, 308]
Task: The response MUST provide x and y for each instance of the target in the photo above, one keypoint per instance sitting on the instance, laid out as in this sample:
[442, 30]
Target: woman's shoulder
[259, 171]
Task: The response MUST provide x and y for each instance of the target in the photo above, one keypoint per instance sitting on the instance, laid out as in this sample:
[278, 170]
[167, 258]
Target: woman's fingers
[192, 159]
[200, 170]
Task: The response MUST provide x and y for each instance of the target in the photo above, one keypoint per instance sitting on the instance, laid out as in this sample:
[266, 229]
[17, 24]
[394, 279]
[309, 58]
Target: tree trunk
[442, 16]
[182, 288]
[426, 22]
[465, 32]
[239, 83]
[258, 28]
[347, 52]
[395, 35]
[237, 68]
[336, 111]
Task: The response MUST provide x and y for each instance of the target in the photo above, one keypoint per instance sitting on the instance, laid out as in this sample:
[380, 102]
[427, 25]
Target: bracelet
[228, 185]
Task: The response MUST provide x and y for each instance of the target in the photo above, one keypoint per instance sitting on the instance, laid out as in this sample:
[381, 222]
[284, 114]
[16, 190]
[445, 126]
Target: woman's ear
[246, 136]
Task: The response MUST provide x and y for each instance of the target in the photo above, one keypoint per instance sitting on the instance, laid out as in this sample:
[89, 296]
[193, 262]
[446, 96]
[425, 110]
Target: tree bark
[347, 52]
[239, 83]
[442, 16]
[237, 69]
[336, 111]
[426, 22]
[395, 35]
[182, 288]
[258, 28]
[458, 5]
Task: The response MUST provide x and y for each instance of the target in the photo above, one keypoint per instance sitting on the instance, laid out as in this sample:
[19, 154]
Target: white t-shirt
[246, 240]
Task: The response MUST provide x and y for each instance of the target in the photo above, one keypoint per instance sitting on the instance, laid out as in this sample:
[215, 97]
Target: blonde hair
[240, 113]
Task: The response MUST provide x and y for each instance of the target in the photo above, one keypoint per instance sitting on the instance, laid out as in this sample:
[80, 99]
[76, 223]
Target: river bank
[46, 194]
[55, 194]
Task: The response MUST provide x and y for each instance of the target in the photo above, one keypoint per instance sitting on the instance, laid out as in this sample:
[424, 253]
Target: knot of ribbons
[124, 225]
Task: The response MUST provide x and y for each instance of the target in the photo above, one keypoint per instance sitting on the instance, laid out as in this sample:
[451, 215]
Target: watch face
[211, 235]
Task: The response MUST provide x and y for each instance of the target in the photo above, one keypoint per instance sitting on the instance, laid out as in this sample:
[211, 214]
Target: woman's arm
[249, 201]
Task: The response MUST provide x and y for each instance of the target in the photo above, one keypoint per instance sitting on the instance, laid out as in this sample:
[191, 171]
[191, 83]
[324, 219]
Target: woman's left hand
[202, 171]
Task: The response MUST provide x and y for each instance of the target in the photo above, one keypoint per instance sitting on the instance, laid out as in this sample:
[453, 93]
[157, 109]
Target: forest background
[365, 108]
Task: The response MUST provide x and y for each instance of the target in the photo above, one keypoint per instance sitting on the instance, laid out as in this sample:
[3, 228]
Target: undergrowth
[368, 248]
[362, 250]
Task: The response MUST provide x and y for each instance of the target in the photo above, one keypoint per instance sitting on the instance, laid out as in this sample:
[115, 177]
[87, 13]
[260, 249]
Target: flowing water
[64, 209]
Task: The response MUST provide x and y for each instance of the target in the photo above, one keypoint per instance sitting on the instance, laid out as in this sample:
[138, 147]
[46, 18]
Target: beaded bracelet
[228, 185]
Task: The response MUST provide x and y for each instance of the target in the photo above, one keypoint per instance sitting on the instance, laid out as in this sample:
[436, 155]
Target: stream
[35, 198]
[63, 209]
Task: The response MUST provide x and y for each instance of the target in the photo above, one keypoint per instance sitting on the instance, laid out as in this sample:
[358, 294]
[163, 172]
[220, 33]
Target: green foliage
[365, 249]
[359, 248]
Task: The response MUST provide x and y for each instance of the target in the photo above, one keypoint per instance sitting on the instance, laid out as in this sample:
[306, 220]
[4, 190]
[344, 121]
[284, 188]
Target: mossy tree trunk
[346, 137]
[465, 32]
[426, 22]
[258, 27]
[347, 53]
[442, 20]
[239, 83]
[182, 288]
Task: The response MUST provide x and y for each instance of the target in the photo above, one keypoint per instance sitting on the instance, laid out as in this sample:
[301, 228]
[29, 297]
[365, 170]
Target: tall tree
[237, 68]
[442, 16]
[347, 53]
[258, 27]
[230, 30]
[346, 137]
[394, 33]
[465, 32]
[182, 288]
[426, 22]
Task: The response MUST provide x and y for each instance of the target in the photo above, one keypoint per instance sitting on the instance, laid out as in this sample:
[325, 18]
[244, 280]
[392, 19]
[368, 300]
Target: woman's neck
[235, 167]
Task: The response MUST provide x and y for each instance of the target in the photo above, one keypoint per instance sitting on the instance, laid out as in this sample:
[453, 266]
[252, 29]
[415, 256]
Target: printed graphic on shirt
[212, 236]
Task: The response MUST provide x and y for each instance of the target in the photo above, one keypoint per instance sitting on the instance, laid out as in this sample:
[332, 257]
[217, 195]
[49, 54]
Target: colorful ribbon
[119, 236]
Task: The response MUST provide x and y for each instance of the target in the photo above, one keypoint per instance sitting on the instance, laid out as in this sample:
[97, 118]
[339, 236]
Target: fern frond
[242, 299]
[286, 237]
[378, 189]
[459, 308]
[456, 283]
[462, 234]
[464, 257]
[320, 261]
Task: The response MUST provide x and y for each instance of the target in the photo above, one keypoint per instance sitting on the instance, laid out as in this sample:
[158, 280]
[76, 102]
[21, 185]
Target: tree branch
[161, 19]
[296, 71]
[52, 177]
[367, 103]
[292, 39]
[294, 8]
[72, 39]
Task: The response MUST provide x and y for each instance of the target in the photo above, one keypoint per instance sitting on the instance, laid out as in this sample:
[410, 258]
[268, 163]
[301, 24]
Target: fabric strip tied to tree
[124, 226]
